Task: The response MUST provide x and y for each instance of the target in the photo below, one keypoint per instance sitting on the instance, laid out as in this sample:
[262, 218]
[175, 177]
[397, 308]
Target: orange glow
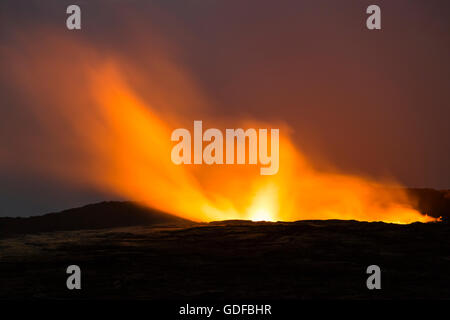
[106, 135]
[264, 207]
[137, 165]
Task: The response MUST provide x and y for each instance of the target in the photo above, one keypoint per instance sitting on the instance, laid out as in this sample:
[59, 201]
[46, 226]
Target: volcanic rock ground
[230, 260]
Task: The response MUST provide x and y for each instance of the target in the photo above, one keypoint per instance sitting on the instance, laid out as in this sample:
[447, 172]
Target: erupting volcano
[101, 132]
[210, 153]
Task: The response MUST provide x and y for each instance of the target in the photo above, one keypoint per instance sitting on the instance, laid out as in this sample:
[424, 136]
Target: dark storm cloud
[370, 102]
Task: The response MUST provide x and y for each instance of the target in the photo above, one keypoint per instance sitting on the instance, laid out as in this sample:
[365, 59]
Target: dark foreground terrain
[126, 251]
[231, 260]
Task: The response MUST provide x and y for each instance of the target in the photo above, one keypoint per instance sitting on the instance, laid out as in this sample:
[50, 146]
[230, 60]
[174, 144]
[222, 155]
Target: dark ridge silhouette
[114, 214]
[435, 203]
[223, 260]
[111, 214]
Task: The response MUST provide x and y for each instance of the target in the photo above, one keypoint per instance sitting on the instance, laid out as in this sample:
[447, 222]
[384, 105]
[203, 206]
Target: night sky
[369, 102]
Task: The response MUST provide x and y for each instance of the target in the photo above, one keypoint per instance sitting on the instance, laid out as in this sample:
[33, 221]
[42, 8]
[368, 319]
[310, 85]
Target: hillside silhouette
[111, 214]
